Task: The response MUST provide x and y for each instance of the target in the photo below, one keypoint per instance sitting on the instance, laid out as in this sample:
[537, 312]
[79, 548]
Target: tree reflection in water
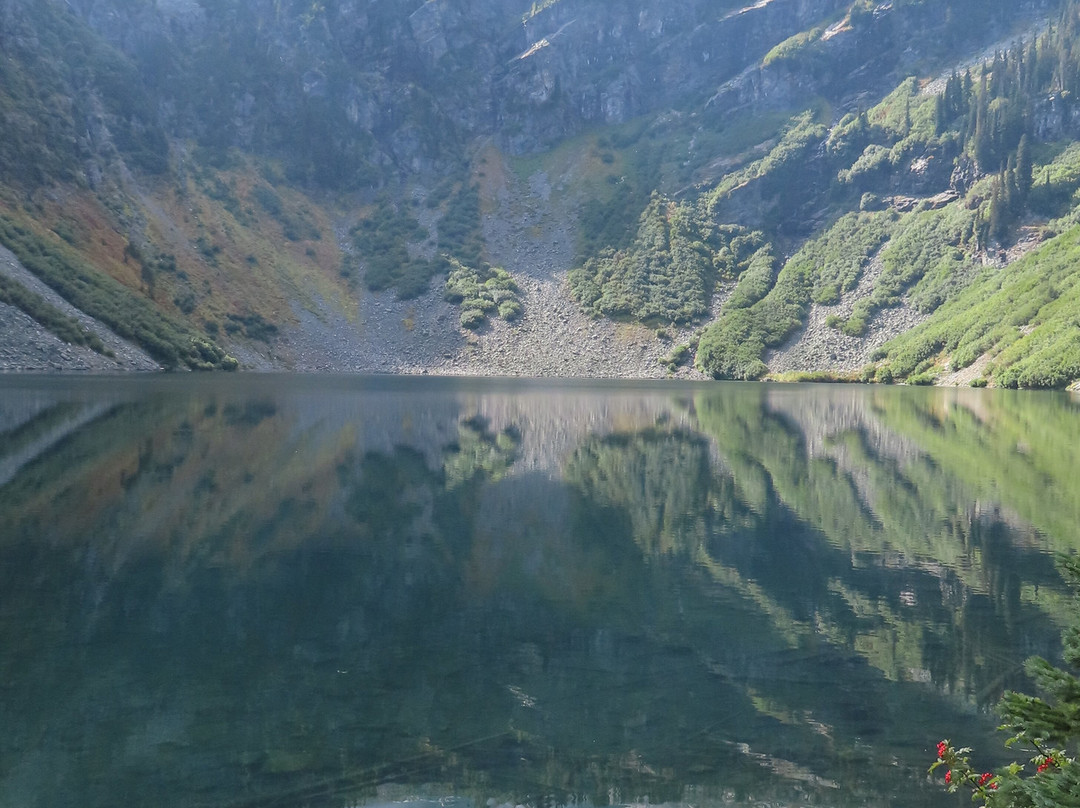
[280, 594]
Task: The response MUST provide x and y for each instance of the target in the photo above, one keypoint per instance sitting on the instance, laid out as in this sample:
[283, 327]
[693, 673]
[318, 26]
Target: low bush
[732, 346]
[923, 255]
[382, 243]
[481, 292]
[668, 274]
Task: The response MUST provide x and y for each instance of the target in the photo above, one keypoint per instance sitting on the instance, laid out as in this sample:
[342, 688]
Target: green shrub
[510, 310]
[1025, 315]
[382, 243]
[668, 273]
[481, 291]
[472, 318]
[460, 234]
[679, 356]
[795, 48]
[756, 280]
[923, 256]
[780, 168]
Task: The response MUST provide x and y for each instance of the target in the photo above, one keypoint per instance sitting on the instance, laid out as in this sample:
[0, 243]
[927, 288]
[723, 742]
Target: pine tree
[998, 216]
[983, 146]
[1023, 167]
[941, 115]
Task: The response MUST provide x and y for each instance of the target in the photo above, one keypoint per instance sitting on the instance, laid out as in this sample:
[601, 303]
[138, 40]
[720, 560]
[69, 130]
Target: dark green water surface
[321, 591]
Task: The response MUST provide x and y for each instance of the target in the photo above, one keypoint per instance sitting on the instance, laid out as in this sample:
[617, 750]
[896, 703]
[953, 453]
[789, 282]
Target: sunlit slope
[1021, 323]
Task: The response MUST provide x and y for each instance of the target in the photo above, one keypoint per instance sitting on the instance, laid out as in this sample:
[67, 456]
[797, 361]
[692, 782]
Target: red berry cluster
[961, 772]
[986, 776]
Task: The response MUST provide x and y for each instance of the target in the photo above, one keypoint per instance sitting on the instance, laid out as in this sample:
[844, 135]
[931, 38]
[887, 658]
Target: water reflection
[266, 591]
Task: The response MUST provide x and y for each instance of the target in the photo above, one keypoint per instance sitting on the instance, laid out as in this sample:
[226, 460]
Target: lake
[329, 591]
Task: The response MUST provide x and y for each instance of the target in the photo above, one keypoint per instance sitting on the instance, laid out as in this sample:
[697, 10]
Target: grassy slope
[180, 249]
[201, 255]
[250, 246]
[1026, 317]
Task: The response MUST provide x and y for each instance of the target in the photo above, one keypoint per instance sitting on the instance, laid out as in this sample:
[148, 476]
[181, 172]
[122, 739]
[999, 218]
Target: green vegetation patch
[1026, 317]
[296, 224]
[613, 175]
[841, 256]
[794, 48]
[169, 341]
[666, 275]
[927, 254]
[783, 162]
[382, 241]
[66, 328]
[56, 75]
[905, 115]
[481, 293]
[756, 280]
[460, 234]
[254, 326]
[732, 346]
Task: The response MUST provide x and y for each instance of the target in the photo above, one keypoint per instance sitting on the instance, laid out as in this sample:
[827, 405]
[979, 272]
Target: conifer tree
[1023, 167]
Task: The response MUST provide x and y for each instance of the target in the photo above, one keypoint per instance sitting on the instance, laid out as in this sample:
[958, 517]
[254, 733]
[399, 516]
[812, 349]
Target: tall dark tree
[1023, 166]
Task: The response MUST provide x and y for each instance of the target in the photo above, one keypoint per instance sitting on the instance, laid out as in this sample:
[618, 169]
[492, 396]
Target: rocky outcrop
[397, 71]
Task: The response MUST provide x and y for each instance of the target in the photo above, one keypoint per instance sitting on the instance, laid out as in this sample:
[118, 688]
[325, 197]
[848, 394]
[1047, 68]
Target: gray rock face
[403, 82]
[357, 87]
[604, 63]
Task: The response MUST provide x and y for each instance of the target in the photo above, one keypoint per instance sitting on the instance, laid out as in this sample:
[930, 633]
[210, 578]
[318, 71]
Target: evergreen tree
[1023, 167]
[998, 216]
[983, 147]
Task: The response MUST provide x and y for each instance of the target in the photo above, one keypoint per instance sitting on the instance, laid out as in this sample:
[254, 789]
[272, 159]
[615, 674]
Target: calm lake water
[320, 591]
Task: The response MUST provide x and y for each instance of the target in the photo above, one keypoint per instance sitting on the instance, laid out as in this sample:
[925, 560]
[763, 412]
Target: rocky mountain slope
[696, 189]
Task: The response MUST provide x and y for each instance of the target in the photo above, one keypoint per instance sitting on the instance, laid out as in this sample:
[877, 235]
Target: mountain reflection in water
[256, 591]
